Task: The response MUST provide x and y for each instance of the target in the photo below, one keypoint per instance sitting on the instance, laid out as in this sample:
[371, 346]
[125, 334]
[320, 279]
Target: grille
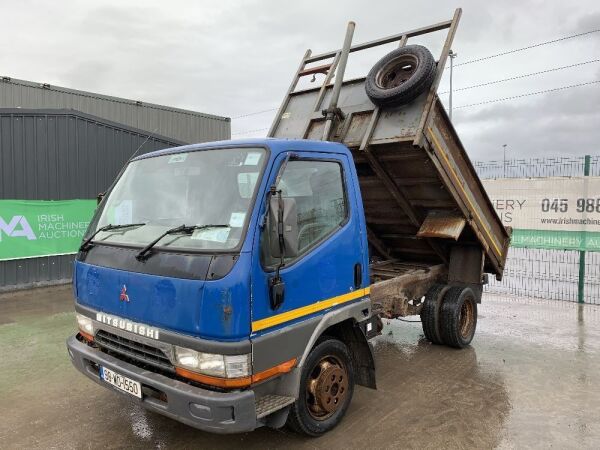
[132, 351]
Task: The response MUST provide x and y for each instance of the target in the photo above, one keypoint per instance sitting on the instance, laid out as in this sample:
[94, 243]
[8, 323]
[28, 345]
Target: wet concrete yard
[530, 380]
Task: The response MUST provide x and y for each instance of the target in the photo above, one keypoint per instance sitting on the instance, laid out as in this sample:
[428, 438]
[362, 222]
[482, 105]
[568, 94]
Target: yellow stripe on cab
[308, 309]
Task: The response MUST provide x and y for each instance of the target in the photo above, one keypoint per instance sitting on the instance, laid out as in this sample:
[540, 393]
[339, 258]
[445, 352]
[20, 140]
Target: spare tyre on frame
[400, 76]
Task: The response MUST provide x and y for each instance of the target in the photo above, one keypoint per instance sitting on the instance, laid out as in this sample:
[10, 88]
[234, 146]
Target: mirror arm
[277, 286]
[280, 211]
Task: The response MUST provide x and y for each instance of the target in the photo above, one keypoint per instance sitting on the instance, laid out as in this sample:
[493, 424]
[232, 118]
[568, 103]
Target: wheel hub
[466, 318]
[396, 72]
[327, 388]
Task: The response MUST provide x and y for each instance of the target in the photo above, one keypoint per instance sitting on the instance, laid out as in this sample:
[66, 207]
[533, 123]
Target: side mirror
[100, 197]
[285, 230]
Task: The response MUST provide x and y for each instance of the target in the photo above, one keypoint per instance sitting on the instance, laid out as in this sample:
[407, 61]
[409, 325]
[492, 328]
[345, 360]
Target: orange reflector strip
[277, 370]
[214, 381]
[87, 337]
[237, 382]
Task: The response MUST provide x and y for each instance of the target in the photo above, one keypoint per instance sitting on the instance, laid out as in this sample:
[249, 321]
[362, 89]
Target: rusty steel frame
[400, 37]
[340, 57]
[398, 288]
[401, 295]
[387, 40]
[332, 110]
[290, 90]
[441, 65]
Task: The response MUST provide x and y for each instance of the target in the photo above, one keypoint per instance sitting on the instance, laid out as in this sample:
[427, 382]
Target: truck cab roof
[275, 145]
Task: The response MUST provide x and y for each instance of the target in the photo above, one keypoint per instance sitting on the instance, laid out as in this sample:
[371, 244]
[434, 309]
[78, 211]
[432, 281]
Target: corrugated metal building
[60, 144]
[179, 124]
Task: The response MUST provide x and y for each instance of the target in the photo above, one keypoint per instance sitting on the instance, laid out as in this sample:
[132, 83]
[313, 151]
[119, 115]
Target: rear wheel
[458, 317]
[326, 388]
[430, 313]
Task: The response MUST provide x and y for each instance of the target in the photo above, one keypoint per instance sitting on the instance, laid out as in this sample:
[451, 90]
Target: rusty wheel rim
[396, 72]
[466, 319]
[326, 388]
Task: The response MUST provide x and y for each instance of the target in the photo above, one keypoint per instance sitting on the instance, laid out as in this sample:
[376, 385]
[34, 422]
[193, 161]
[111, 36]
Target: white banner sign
[556, 212]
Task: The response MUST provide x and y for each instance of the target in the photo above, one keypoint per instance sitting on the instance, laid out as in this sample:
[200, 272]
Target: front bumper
[217, 412]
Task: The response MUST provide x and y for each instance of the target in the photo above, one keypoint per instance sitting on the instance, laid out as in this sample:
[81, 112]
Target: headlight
[85, 324]
[225, 366]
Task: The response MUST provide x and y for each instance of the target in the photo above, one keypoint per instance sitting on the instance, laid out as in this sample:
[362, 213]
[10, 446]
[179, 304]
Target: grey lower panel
[281, 345]
[295, 341]
[357, 311]
[217, 412]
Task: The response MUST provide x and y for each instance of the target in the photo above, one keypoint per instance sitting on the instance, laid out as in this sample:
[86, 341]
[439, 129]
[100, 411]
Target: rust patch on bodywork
[227, 308]
[442, 224]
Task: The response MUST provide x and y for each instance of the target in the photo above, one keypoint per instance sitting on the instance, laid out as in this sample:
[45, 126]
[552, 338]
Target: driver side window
[318, 189]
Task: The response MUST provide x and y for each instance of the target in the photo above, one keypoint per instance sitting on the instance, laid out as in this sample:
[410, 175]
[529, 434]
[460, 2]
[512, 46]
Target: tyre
[400, 76]
[430, 313]
[458, 319]
[326, 388]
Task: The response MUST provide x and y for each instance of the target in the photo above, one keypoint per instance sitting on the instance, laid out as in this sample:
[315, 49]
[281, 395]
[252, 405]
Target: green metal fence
[550, 274]
[568, 166]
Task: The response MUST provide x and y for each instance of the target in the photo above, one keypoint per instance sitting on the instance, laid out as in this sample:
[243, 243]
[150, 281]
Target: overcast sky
[233, 58]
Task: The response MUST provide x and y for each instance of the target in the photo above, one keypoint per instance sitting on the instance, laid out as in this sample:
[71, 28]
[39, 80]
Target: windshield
[207, 187]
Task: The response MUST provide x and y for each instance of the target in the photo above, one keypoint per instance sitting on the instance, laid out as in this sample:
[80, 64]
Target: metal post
[286, 99]
[339, 78]
[581, 280]
[504, 160]
[452, 55]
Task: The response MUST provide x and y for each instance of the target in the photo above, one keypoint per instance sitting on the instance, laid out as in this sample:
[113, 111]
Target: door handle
[357, 275]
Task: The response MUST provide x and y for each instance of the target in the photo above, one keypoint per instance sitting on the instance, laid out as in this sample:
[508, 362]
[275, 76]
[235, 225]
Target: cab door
[329, 267]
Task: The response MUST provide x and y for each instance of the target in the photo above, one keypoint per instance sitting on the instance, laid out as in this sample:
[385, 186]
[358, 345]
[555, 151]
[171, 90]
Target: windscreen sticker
[237, 219]
[124, 212]
[212, 234]
[180, 157]
[252, 159]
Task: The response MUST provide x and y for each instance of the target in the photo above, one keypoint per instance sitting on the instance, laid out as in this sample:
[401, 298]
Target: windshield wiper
[85, 246]
[143, 254]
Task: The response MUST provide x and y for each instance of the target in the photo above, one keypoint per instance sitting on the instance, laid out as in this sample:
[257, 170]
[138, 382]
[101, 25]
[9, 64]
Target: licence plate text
[121, 382]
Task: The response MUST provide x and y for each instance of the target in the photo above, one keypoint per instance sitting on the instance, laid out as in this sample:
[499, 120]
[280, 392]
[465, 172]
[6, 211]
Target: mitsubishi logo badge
[124, 297]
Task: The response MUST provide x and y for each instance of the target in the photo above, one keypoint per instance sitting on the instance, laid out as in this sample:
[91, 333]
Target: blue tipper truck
[236, 284]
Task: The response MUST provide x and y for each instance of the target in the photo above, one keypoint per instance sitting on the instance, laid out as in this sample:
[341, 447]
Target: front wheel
[326, 388]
